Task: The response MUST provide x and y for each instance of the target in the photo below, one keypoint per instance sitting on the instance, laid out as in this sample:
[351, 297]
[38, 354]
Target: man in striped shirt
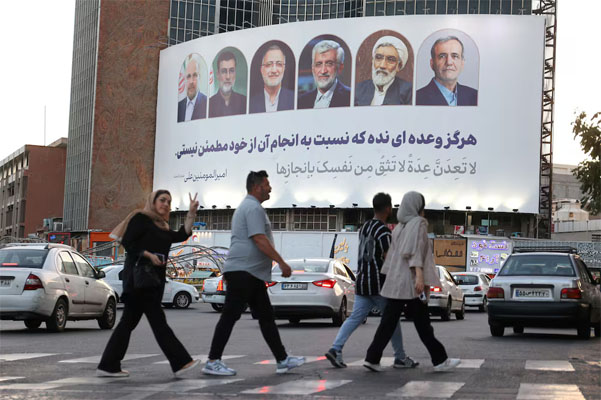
[374, 241]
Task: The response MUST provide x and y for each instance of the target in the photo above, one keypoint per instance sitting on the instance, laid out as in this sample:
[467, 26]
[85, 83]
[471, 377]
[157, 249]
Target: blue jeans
[361, 309]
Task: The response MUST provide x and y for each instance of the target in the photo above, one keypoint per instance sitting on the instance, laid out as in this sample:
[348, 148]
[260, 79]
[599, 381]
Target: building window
[278, 217]
[315, 219]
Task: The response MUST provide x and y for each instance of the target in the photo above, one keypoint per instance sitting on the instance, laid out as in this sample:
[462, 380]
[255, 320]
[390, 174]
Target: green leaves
[588, 172]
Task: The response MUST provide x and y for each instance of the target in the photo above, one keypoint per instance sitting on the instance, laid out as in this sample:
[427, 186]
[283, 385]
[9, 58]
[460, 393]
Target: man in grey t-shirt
[247, 268]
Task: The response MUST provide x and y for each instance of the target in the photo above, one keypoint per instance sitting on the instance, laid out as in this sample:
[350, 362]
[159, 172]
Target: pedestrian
[374, 241]
[410, 271]
[247, 268]
[146, 236]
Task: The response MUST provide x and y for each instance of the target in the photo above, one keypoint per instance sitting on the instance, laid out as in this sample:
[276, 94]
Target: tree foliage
[588, 171]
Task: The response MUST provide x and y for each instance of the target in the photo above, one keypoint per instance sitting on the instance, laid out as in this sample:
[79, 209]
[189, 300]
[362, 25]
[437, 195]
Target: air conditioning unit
[57, 227]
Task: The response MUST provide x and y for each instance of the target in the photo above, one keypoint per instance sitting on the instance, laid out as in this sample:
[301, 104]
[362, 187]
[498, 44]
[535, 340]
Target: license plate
[5, 282]
[532, 293]
[294, 286]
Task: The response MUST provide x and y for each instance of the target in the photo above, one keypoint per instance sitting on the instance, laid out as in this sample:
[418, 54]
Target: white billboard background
[317, 157]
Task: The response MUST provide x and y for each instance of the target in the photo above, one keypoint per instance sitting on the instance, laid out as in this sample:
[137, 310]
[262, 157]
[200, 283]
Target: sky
[36, 73]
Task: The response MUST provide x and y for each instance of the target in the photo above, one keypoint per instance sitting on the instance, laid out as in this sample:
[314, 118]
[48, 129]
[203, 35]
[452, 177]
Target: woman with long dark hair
[146, 236]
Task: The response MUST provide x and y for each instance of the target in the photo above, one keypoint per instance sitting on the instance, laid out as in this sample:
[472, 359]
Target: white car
[317, 288]
[177, 294]
[475, 286]
[213, 292]
[52, 283]
[447, 298]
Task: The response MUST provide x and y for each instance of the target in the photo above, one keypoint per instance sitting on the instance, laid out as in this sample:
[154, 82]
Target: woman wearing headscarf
[146, 236]
[410, 271]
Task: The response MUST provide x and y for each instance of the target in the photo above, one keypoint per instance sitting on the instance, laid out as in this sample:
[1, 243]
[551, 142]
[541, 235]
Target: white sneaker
[106, 374]
[373, 367]
[217, 367]
[289, 363]
[186, 368]
[447, 365]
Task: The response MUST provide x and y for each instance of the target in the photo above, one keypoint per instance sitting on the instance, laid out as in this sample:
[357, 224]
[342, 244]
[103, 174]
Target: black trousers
[242, 289]
[136, 304]
[421, 319]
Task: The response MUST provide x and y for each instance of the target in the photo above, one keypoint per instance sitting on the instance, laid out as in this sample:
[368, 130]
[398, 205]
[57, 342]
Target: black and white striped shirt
[374, 241]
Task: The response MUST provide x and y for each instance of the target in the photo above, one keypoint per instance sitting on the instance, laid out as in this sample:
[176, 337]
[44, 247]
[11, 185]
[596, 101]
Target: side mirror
[100, 274]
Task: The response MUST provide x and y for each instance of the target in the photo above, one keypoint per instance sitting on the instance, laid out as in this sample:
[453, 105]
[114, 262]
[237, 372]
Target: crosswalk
[430, 385]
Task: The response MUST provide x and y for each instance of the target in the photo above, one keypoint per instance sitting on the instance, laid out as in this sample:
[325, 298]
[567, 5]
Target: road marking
[30, 386]
[10, 378]
[96, 359]
[471, 363]
[201, 358]
[439, 390]
[308, 359]
[384, 362]
[537, 391]
[85, 380]
[183, 385]
[595, 363]
[549, 365]
[300, 387]
[24, 356]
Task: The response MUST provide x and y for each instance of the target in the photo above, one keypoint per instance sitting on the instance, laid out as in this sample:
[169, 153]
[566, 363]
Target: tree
[588, 171]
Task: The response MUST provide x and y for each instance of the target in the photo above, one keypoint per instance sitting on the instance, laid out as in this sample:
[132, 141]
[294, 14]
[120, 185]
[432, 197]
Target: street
[539, 364]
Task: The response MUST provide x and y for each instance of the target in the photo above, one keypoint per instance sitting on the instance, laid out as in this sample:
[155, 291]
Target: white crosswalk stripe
[300, 387]
[439, 390]
[385, 362]
[10, 378]
[96, 359]
[537, 391]
[308, 359]
[202, 358]
[389, 361]
[471, 363]
[24, 356]
[549, 365]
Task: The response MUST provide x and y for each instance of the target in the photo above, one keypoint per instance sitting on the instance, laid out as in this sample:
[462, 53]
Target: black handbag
[146, 275]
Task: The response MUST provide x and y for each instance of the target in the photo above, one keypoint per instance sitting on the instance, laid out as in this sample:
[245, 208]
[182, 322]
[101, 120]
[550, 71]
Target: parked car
[177, 294]
[474, 286]
[544, 289]
[213, 292]
[52, 283]
[317, 288]
[447, 298]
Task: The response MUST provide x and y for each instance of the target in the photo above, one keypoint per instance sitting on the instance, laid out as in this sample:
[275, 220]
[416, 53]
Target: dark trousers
[143, 302]
[421, 319]
[242, 289]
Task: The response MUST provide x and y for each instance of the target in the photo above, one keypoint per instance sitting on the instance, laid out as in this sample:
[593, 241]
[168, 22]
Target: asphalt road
[539, 364]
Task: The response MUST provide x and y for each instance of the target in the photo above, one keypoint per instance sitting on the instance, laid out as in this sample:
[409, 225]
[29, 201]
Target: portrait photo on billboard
[192, 89]
[228, 82]
[384, 70]
[448, 64]
[272, 78]
[324, 73]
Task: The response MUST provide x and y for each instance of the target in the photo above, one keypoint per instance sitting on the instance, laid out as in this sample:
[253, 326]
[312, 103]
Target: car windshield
[538, 264]
[466, 279]
[306, 266]
[22, 258]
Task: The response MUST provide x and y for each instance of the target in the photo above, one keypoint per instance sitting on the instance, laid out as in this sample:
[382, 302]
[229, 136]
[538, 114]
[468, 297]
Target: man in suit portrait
[226, 101]
[327, 63]
[447, 61]
[273, 97]
[389, 56]
[194, 105]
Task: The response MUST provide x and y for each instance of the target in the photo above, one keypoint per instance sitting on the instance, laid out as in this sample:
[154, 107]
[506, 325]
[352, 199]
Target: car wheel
[33, 323]
[217, 307]
[58, 319]
[461, 313]
[584, 331]
[484, 306]
[518, 329]
[497, 330]
[294, 321]
[339, 318]
[107, 321]
[182, 300]
[446, 313]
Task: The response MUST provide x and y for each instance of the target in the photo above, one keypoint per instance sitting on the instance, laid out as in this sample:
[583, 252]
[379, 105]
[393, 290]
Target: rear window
[466, 279]
[300, 266]
[538, 265]
[22, 258]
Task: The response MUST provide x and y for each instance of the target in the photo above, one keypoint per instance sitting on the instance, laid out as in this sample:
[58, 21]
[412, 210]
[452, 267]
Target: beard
[226, 88]
[381, 77]
[324, 84]
[273, 81]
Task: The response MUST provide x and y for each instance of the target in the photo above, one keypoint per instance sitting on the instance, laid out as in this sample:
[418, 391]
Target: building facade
[32, 182]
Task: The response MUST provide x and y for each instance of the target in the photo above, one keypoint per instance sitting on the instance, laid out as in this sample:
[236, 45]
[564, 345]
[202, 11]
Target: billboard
[338, 110]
